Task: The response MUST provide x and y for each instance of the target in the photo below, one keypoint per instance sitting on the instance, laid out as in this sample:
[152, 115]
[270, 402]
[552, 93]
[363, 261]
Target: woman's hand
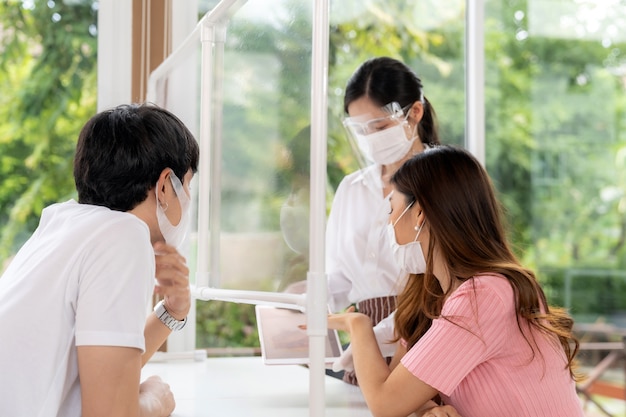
[172, 277]
[346, 321]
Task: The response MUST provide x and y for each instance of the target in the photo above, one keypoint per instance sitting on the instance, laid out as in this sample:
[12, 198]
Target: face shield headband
[366, 124]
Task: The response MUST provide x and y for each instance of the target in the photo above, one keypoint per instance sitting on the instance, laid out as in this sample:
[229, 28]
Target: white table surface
[246, 387]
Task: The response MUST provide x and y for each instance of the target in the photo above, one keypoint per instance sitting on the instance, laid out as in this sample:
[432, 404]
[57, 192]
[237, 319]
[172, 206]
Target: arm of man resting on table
[110, 375]
[389, 390]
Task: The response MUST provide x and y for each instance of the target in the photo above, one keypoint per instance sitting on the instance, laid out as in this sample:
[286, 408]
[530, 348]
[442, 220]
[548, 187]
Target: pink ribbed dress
[480, 363]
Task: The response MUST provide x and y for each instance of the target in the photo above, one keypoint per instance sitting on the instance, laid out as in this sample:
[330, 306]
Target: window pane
[555, 117]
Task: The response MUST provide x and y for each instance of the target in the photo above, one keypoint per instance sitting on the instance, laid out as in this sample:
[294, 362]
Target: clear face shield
[380, 137]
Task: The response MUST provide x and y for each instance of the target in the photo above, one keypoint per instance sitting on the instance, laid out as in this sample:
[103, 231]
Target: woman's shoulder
[488, 295]
[492, 280]
[487, 286]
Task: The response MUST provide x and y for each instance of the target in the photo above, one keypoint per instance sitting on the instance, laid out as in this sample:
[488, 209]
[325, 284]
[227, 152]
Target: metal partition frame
[475, 78]
[316, 277]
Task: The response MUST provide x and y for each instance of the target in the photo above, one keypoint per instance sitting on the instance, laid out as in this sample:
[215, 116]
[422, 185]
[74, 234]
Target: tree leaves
[48, 84]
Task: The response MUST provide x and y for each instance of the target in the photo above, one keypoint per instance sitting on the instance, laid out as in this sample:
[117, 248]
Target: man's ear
[161, 188]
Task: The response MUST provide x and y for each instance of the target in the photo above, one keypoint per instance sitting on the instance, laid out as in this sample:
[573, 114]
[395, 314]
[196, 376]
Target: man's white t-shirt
[85, 277]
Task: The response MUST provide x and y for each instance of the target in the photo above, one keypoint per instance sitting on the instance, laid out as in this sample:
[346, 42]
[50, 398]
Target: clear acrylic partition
[554, 125]
[259, 158]
[255, 129]
[254, 116]
[252, 106]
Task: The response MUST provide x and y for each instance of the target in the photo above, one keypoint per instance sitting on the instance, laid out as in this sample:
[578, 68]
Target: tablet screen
[283, 342]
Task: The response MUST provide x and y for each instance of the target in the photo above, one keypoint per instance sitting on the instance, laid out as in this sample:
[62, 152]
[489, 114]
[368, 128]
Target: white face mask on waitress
[387, 146]
[174, 235]
[383, 140]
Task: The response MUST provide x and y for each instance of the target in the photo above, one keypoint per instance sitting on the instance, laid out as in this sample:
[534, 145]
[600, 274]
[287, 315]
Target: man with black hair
[75, 301]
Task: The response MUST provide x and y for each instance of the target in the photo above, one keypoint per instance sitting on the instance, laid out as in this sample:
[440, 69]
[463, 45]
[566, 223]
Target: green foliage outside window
[555, 117]
[223, 324]
[48, 84]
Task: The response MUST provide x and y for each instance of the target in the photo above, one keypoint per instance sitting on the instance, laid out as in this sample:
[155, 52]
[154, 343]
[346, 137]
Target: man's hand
[172, 277]
[155, 398]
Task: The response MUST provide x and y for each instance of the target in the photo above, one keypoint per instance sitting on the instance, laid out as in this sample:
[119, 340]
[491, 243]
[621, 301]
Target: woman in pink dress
[475, 325]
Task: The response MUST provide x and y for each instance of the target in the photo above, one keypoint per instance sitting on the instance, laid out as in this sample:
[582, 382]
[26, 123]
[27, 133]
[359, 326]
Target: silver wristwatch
[167, 319]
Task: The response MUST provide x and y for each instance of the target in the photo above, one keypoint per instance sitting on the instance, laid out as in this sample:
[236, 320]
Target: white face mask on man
[409, 257]
[174, 235]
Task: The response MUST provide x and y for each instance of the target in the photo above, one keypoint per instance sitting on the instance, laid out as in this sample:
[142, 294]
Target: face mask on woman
[387, 146]
[381, 139]
[409, 257]
[174, 235]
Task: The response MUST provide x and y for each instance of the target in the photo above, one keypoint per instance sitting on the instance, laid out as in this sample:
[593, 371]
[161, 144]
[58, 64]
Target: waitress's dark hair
[384, 80]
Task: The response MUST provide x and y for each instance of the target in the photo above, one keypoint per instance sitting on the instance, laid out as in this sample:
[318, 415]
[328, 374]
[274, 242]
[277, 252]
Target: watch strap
[167, 319]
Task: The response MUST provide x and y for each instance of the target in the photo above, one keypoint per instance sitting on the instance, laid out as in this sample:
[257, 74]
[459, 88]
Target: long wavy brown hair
[466, 226]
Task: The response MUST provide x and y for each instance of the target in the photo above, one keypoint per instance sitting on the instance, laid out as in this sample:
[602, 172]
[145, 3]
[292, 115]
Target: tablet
[284, 343]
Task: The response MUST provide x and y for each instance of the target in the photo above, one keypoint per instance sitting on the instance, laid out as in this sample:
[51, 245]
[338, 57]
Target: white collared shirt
[359, 260]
